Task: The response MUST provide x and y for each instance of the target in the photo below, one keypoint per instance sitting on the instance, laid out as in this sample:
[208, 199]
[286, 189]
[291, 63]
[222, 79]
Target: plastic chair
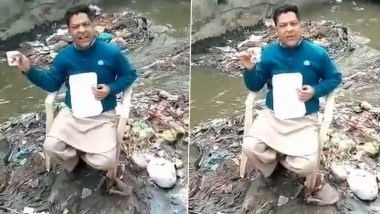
[325, 124]
[124, 115]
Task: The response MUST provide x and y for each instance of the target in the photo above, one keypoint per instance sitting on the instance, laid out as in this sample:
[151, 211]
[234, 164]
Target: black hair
[285, 8]
[75, 11]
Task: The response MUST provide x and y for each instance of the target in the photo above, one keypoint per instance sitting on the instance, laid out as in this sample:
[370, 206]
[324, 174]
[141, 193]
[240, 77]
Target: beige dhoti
[292, 142]
[93, 139]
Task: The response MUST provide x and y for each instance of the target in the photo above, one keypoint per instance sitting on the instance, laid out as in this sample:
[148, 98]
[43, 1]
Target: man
[92, 139]
[292, 142]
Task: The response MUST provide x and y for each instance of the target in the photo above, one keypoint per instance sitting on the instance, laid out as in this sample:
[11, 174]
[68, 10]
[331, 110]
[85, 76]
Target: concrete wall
[18, 16]
[215, 17]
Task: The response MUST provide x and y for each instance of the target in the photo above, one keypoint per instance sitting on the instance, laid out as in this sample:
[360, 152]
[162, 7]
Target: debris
[86, 192]
[328, 34]
[372, 148]
[282, 200]
[28, 210]
[122, 29]
[142, 130]
[213, 161]
[139, 161]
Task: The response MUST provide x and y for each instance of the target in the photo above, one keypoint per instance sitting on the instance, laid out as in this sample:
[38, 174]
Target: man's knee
[300, 165]
[252, 145]
[53, 145]
[101, 161]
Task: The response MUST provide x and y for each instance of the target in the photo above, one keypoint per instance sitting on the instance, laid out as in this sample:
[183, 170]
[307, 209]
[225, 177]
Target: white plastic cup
[12, 57]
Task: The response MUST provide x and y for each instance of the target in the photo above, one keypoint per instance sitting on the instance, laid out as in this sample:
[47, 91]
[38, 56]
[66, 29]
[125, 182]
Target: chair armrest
[49, 101]
[249, 111]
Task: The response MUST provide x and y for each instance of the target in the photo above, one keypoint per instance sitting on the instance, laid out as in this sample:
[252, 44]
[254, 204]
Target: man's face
[288, 29]
[81, 29]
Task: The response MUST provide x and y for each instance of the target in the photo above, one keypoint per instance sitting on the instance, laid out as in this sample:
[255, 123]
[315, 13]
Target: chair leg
[47, 160]
[243, 164]
[310, 182]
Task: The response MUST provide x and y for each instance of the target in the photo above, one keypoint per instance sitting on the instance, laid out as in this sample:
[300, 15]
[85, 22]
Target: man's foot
[115, 187]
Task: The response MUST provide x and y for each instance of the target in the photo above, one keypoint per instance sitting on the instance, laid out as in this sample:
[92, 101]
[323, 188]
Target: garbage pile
[156, 141]
[331, 36]
[126, 29]
[350, 158]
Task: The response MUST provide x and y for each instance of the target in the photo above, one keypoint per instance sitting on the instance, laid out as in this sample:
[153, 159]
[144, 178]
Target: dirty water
[214, 94]
[178, 17]
[363, 17]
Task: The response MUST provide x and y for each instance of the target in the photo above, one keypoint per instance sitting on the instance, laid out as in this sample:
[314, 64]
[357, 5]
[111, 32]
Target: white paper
[286, 104]
[83, 101]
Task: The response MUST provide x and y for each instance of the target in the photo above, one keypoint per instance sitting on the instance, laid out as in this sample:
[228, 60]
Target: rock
[167, 95]
[148, 157]
[162, 172]
[139, 161]
[363, 166]
[338, 172]
[159, 28]
[178, 164]
[177, 199]
[99, 29]
[180, 174]
[235, 145]
[28, 210]
[282, 200]
[161, 153]
[365, 106]
[34, 183]
[363, 184]
[86, 192]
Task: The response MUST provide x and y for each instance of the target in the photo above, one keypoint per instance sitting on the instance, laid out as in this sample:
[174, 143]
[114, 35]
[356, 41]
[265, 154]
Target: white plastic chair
[325, 124]
[124, 115]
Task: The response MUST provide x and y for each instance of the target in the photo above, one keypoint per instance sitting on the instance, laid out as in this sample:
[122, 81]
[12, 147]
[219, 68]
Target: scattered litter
[282, 200]
[213, 161]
